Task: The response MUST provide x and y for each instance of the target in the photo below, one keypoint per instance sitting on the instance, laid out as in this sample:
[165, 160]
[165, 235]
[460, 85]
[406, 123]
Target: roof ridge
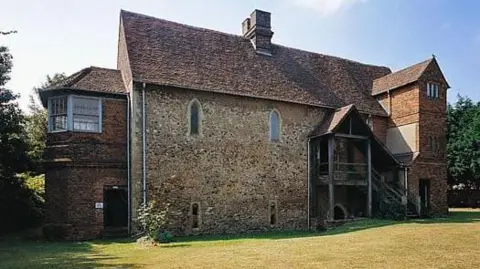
[408, 67]
[103, 68]
[242, 37]
[70, 80]
[331, 56]
[122, 11]
[291, 75]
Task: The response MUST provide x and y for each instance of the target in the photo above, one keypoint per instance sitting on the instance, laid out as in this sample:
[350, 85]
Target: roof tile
[96, 79]
[168, 53]
[400, 78]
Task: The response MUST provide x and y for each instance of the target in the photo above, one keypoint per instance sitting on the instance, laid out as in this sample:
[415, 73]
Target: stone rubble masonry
[79, 166]
[123, 63]
[231, 169]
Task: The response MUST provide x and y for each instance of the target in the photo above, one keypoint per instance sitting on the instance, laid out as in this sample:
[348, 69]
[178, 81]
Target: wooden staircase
[394, 193]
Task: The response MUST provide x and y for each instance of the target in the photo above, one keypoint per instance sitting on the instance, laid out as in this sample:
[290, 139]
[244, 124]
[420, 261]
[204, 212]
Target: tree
[463, 134]
[36, 123]
[17, 204]
[12, 136]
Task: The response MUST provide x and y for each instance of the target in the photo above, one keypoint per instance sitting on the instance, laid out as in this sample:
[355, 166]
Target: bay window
[58, 114]
[75, 113]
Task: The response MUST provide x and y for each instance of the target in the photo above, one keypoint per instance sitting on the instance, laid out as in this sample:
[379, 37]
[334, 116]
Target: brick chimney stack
[258, 29]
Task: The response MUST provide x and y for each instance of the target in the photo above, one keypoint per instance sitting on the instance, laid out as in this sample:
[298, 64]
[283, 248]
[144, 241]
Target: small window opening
[274, 126]
[195, 111]
[433, 90]
[195, 209]
[273, 213]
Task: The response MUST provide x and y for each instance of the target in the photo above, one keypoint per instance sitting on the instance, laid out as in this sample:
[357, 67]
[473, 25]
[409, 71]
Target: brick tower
[415, 99]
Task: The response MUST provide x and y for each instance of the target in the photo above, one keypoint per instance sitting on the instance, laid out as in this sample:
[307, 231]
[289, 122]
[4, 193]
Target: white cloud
[327, 7]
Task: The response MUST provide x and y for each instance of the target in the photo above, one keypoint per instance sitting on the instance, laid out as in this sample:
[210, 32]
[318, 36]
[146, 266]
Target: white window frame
[433, 90]
[99, 105]
[70, 103]
[49, 114]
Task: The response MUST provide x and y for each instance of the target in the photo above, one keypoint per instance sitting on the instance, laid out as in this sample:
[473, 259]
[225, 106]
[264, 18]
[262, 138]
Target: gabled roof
[402, 77]
[332, 124]
[96, 79]
[167, 53]
[332, 121]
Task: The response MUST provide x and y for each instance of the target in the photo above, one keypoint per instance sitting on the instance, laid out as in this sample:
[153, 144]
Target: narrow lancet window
[195, 213]
[274, 126]
[195, 117]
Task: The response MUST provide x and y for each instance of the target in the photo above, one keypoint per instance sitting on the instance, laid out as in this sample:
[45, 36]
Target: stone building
[239, 134]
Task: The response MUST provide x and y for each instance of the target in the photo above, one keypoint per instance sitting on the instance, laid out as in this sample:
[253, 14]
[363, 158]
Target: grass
[452, 242]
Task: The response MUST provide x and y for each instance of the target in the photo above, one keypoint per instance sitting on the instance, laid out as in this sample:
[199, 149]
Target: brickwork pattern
[91, 161]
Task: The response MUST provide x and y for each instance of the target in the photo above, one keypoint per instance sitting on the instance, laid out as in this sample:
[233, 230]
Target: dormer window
[433, 90]
[75, 113]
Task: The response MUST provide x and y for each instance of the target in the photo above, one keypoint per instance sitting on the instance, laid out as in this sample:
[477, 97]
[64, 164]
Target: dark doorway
[115, 207]
[424, 193]
[339, 213]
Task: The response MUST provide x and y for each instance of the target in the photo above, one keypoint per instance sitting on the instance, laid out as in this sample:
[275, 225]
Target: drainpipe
[144, 142]
[406, 184]
[129, 182]
[308, 183]
[406, 180]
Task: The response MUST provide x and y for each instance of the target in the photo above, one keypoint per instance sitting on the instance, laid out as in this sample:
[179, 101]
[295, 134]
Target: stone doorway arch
[339, 212]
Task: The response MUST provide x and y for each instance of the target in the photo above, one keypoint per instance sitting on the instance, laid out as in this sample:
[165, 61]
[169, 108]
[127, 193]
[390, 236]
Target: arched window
[195, 208]
[195, 112]
[274, 126]
[273, 213]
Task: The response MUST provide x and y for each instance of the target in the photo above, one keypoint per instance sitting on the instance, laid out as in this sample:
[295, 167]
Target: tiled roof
[168, 53]
[400, 78]
[94, 79]
[332, 121]
[407, 158]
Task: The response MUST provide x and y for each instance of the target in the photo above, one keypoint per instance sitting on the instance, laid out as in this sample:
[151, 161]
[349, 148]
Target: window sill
[76, 131]
[84, 131]
[57, 131]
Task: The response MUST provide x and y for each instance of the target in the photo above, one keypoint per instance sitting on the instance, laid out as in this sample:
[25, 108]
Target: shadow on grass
[458, 216]
[350, 227]
[178, 245]
[18, 254]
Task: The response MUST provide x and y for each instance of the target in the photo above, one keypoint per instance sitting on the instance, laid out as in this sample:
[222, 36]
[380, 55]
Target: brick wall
[79, 166]
[380, 125]
[410, 104]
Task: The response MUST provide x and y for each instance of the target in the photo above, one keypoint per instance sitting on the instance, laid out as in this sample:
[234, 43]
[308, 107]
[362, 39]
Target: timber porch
[350, 171]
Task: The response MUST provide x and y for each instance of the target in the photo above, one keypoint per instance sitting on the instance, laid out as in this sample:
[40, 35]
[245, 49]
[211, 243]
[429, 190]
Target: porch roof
[332, 124]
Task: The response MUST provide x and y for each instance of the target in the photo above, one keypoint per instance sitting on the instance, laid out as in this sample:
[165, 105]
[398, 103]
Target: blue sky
[65, 36]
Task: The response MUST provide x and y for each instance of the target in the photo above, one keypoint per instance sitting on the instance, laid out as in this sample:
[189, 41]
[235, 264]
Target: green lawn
[438, 243]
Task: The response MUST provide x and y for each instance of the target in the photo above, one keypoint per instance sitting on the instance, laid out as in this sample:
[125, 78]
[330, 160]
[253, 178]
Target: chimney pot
[245, 26]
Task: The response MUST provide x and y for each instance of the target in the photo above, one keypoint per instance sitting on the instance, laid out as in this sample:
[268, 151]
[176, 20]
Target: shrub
[55, 232]
[21, 202]
[153, 219]
[391, 211]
